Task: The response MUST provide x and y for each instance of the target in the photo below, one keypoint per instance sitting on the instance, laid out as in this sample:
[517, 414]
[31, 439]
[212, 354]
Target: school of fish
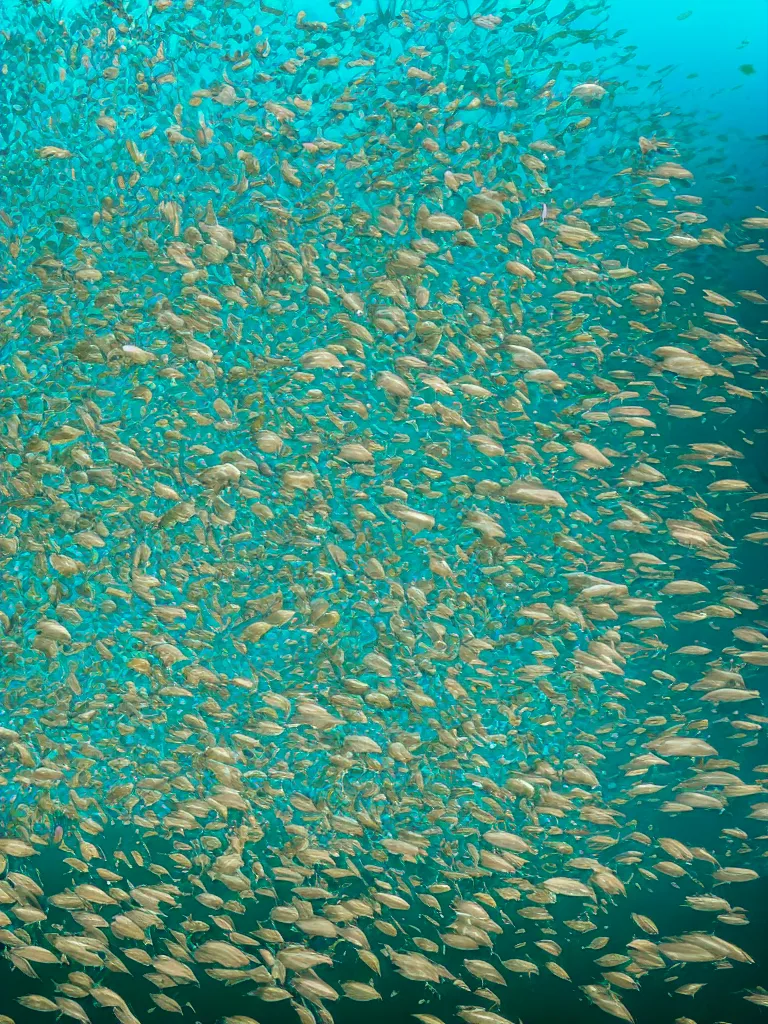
[378, 419]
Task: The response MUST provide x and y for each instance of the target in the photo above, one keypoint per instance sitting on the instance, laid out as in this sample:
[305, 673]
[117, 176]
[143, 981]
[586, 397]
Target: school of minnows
[376, 485]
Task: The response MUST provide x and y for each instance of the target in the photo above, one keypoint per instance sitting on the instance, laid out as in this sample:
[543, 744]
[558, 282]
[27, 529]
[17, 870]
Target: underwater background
[107, 397]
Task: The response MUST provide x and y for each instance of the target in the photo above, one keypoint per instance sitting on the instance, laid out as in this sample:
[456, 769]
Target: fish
[380, 496]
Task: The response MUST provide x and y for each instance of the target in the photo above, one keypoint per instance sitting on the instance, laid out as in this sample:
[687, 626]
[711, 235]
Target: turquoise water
[356, 427]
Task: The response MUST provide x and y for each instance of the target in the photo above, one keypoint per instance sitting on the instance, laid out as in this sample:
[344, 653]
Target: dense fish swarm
[377, 480]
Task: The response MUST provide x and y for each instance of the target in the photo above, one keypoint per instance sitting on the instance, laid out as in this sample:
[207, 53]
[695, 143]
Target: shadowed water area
[383, 513]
